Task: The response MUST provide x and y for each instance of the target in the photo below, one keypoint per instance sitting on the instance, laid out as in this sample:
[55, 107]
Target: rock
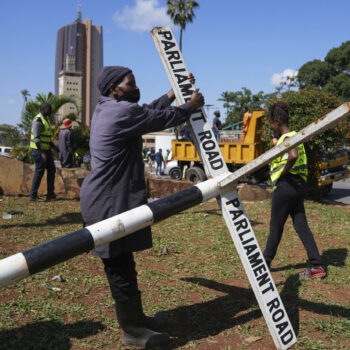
[253, 193]
[158, 187]
[16, 179]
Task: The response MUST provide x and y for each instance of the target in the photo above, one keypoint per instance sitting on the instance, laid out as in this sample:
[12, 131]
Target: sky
[230, 44]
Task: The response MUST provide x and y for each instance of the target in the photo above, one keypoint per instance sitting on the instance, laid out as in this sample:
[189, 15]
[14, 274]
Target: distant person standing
[246, 119]
[159, 161]
[185, 133]
[217, 126]
[66, 144]
[150, 158]
[41, 145]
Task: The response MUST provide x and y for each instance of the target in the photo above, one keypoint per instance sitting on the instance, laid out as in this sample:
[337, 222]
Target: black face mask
[131, 96]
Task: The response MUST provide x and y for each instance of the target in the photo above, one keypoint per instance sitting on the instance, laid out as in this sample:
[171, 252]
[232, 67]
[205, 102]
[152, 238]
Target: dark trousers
[159, 168]
[122, 276]
[217, 135]
[288, 198]
[40, 167]
[66, 160]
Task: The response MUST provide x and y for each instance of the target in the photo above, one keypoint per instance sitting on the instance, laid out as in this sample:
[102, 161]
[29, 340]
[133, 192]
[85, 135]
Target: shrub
[22, 153]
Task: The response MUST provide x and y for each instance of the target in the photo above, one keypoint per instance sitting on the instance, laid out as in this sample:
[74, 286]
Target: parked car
[5, 151]
[172, 168]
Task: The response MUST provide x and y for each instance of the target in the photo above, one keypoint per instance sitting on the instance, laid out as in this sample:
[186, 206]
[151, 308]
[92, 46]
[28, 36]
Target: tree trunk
[181, 39]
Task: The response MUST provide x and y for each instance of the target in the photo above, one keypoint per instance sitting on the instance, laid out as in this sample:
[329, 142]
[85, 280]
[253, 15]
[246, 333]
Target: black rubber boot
[136, 326]
[156, 321]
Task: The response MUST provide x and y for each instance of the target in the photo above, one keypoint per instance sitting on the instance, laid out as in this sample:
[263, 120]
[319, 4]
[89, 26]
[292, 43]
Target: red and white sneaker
[314, 271]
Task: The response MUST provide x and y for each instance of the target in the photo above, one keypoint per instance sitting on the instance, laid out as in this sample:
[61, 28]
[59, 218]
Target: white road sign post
[232, 209]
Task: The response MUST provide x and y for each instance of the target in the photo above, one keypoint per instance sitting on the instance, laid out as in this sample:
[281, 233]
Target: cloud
[279, 78]
[143, 17]
[11, 101]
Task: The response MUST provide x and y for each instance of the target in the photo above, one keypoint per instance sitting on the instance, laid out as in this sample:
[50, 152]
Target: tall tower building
[79, 58]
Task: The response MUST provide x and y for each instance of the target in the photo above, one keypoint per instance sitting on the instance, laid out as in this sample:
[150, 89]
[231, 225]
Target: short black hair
[45, 106]
[279, 111]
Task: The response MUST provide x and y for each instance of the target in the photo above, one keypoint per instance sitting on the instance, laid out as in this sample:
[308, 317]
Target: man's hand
[191, 78]
[197, 100]
[54, 147]
[171, 94]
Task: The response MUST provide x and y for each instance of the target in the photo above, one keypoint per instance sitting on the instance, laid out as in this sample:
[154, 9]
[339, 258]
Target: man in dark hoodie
[116, 184]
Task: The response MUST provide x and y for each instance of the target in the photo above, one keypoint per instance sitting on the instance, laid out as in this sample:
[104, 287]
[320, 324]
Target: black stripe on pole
[174, 203]
[58, 250]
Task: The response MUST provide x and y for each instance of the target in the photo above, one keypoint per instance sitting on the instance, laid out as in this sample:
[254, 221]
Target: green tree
[32, 108]
[81, 134]
[339, 57]
[306, 107]
[11, 136]
[332, 74]
[181, 12]
[25, 94]
[236, 101]
[339, 85]
[315, 74]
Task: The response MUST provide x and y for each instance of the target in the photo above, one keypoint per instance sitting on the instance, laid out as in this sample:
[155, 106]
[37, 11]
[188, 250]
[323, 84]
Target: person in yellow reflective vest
[41, 145]
[288, 176]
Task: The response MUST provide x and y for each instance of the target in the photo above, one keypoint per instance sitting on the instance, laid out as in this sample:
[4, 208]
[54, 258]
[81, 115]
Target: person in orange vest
[246, 119]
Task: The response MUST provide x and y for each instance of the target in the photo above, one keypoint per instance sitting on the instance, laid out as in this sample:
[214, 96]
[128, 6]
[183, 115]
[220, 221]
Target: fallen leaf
[252, 339]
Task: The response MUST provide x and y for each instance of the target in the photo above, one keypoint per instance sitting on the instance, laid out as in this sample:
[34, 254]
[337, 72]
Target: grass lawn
[200, 282]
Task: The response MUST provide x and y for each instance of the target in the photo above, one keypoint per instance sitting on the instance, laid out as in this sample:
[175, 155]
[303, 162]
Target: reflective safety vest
[299, 167]
[45, 135]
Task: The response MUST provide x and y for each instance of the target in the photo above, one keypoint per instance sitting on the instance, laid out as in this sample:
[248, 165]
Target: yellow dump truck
[237, 153]
[332, 170]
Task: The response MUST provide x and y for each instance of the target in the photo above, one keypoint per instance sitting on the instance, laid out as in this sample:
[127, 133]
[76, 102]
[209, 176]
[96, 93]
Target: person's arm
[160, 103]
[215, 126]
[70, 143]
[138, 120]
[54, 147]
[292, 158]
[37, 128]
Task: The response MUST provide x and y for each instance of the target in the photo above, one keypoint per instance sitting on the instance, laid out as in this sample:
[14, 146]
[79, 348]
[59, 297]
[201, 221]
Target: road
[340, 192]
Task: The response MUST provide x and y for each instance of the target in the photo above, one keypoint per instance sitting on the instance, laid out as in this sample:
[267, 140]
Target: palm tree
[32, 108]
[56, 102]
[181, 13]
[25, 93]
